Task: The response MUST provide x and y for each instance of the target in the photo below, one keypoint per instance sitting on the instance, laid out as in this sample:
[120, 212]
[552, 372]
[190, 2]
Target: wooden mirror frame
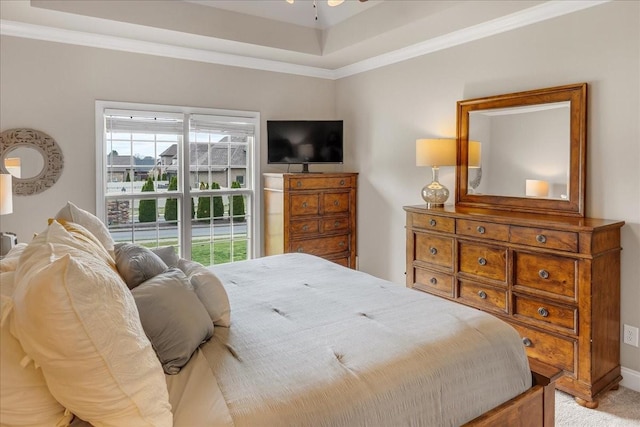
[576, 94]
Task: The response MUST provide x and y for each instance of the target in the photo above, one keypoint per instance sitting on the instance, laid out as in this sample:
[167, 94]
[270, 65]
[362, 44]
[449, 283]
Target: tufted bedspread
[315, 344]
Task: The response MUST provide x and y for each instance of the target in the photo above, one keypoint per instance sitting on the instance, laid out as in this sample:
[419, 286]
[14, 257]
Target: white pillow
[78, 321]
[210, 290]
[25, 399]
[10, 261]
[72, 213]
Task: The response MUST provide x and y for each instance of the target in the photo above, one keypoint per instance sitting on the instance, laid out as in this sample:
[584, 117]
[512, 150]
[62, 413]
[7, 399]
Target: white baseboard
[630, 379]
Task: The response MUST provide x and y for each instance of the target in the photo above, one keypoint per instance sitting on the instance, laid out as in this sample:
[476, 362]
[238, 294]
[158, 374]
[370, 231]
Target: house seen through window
[181, 177]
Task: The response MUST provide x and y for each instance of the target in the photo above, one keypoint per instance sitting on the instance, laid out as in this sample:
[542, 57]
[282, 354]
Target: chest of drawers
[556, 280]
[311, 213]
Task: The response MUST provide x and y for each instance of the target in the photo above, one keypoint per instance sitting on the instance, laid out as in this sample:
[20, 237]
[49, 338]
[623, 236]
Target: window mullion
[184, 187]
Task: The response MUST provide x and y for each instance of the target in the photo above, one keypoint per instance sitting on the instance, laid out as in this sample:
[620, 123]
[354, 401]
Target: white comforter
[314, 344]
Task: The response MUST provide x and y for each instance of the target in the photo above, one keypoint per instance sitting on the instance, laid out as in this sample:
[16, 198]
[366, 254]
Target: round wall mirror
[32, 157]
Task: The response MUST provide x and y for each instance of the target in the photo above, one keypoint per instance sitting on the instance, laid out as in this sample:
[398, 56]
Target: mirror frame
[46, 146]
[576, 94]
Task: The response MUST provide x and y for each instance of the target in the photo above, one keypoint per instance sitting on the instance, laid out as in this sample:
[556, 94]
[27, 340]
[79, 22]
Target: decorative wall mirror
[32, 157]
[524, 151]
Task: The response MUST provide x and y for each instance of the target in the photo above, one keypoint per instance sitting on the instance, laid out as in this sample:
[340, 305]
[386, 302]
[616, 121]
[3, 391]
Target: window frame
[253, 169]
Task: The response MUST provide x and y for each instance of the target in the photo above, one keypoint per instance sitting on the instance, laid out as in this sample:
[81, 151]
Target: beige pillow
[25, 399]
[10, 261]
[72, 213]
[78, 321]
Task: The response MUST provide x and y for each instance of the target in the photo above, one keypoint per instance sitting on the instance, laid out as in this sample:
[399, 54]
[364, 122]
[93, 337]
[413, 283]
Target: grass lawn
[201, 251]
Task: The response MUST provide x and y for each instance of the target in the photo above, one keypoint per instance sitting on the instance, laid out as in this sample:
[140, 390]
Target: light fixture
[536, 188]
[475, 154]
[329, 2]
[435, 153]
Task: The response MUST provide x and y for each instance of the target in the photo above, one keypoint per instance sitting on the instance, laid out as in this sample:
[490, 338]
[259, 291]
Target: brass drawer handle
[543, 312]
[305, 227]
[527, 342]
[432, 222]
[482, 261]
[482, 294]
[299, 184]
[433, 281]
[304, 204]
[433, 250]
[299, 249]
[342, 182]
[544, 274]
[480, 229]
[336, 203]
[336, 224]
[341, 244]
[541, 238]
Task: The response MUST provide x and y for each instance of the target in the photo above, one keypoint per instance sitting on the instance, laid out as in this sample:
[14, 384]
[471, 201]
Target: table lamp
[435, 153]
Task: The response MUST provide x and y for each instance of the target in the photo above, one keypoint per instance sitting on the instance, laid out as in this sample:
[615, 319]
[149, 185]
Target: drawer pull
[304, 204]
[342, 182]
[300, 250]
[336, 224]
[543, 312]
[432, 222]
[527, 342]
[305, 227]
[336, 203]
[482, 294]
[541, 238]
[341, 244]
[433, 281]
[544, 274]
[433, 250]
[480, 229]
[482, 261]
[299, 184]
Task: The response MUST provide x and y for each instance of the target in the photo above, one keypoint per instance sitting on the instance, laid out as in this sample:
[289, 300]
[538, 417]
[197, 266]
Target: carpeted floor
[617, 408]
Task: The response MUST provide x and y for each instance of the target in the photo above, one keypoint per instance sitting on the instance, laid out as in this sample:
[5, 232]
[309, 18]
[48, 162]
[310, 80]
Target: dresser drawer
[480, 229]
[304, 204]
[541, 238]
[335, 203]
[322, 245]
[547, 348]
[483, 297]
[483, 261]
[435, 250]
[304, 227]
[433, 282]
[335, 224]
[435, 223]
[532, 310]
[317, 183]
[556, 275]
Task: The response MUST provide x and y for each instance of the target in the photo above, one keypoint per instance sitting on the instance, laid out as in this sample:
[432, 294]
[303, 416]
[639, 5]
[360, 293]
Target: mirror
[524, 151]
[32, 157]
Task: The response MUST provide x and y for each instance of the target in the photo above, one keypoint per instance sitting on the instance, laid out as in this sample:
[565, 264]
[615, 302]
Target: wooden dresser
[555, 279]
[312, 213]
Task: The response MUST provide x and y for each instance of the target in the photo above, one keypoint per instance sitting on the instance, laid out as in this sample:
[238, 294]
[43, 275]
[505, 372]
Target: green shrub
[218, 205]
[128, 178]
[147, 210]
[171, 206]
[237, 204]
[204, 204]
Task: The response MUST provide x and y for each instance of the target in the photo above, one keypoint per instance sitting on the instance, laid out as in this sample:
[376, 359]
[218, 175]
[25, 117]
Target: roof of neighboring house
[218, 153]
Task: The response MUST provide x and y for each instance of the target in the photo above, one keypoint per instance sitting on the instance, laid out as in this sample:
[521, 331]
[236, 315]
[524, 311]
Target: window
[182, 177]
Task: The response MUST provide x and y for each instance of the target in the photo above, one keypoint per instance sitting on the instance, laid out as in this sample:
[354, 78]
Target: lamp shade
[436, 152]
[475, 154]
[536, 188]
[6, 194]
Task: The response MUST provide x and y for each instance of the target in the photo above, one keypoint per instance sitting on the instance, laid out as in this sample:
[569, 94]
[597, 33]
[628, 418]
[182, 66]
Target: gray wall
[53, 87]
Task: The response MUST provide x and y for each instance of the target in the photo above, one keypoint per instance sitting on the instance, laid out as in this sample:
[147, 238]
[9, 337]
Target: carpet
[617, 408]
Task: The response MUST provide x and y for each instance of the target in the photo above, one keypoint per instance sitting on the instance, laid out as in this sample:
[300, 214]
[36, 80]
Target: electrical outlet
[630, 334]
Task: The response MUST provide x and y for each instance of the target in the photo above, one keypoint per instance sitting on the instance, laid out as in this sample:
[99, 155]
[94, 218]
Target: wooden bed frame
[533, 408]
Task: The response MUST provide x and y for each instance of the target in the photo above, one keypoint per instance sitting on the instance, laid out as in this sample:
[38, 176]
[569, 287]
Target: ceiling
[274, 35]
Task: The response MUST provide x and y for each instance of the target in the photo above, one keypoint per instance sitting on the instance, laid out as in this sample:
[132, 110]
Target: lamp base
[435, 194]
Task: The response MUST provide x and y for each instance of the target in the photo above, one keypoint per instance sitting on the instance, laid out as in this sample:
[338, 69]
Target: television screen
[304, 141]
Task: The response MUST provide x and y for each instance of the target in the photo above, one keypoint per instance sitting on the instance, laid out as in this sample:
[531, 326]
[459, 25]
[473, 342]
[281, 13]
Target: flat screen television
[304, 142]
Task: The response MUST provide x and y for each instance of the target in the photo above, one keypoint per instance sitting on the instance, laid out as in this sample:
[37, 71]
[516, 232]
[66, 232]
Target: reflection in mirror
[520, 145]
[24, 162]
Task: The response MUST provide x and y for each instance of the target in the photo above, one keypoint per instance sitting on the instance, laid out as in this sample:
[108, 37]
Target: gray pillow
[210, 290]
[137, 264]
[173, 318]
[168, 255]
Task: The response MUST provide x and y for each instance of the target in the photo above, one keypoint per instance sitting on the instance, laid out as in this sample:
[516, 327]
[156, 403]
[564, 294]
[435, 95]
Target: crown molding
[542, 12]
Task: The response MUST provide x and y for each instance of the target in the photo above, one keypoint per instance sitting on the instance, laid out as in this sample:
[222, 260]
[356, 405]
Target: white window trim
[253, 157]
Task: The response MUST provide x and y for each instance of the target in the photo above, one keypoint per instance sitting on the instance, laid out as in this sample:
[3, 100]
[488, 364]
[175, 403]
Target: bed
[311, 343]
